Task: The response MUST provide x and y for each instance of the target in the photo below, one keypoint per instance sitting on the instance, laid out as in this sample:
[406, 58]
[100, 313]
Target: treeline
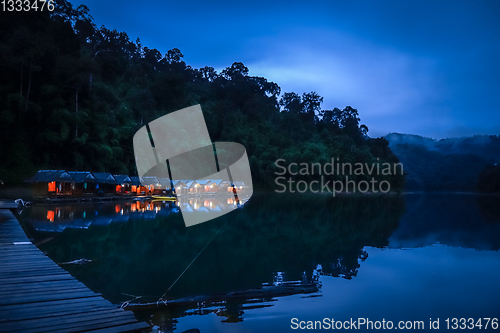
[73, 95]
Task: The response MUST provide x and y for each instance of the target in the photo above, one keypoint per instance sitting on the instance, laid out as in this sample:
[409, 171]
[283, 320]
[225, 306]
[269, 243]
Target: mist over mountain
[452, 164]
[485, 146]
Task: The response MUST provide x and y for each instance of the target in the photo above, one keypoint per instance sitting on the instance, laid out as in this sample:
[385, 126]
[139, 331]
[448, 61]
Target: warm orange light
[118, 208]
[134, 188]
[118, 188]
[50, 215]
[52, 186]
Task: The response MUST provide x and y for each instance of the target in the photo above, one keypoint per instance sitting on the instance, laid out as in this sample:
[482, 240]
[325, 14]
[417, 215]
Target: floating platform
[163, 198]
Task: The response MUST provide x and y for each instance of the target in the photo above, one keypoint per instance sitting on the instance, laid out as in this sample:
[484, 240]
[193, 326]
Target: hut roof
[216, 181]
[203, 182]
[81, 176]
[149, 181]
[239, 184]
[50, 176]
[123, 179]
[135, 181]
[164, 182]
[104, 178]
[182, 183]
[90, 176]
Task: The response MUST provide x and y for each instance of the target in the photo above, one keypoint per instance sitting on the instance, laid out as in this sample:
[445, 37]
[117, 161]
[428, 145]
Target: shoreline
[12, 193]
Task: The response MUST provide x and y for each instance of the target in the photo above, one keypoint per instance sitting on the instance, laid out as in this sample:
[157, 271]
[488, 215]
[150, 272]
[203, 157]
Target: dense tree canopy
[74, 94]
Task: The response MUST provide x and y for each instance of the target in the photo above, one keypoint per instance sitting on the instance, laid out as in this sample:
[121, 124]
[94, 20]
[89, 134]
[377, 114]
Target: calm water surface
[398, 258]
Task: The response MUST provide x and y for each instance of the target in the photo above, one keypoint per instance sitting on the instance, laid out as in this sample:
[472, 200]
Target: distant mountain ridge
[485, 146]
[452, 164]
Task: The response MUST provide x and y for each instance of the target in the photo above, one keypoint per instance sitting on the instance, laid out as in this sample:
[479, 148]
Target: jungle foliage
[73, 95]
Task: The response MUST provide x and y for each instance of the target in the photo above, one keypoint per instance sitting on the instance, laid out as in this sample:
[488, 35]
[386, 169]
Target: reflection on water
[57, 217]
[458, 220]
[383, 248]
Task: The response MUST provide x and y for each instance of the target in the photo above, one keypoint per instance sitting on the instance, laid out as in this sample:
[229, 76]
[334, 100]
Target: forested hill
[484, 146]
[73, 95]
[452, 164]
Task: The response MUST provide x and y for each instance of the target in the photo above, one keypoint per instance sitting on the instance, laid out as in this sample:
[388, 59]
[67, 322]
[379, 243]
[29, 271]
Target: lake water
[417, 257]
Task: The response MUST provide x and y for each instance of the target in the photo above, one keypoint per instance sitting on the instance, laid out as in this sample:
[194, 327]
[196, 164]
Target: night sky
[425, 67]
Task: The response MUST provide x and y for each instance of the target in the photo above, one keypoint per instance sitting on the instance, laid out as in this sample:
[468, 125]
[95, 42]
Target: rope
[184, 271]
[126, 303]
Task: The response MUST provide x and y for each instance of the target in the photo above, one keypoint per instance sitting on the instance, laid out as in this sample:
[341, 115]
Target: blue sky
[421, 67]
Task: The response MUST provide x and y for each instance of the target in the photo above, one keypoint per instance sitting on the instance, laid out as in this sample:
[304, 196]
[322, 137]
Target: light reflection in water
[56, 218]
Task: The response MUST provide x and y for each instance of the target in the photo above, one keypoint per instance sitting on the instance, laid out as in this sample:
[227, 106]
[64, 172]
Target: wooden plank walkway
[8, 204]
[36, 295]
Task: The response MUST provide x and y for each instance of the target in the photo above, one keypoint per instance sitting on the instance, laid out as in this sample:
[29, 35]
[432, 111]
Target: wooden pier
[36, 295]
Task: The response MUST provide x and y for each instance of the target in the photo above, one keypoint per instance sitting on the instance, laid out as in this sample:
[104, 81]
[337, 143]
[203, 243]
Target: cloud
[386, 85]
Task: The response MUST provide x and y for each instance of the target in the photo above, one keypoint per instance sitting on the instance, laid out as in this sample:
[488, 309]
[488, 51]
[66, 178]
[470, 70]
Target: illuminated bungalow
[239, 186]
[213, 186]
[81, 184]
[124, 185]
[84, 183]
[136, 187]
[201, 186]
[210, 186]
[182, 186]
[163, 187]
[225, 186]
[105, 183]
[149, 183]
[198, 186]
[52, 184]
